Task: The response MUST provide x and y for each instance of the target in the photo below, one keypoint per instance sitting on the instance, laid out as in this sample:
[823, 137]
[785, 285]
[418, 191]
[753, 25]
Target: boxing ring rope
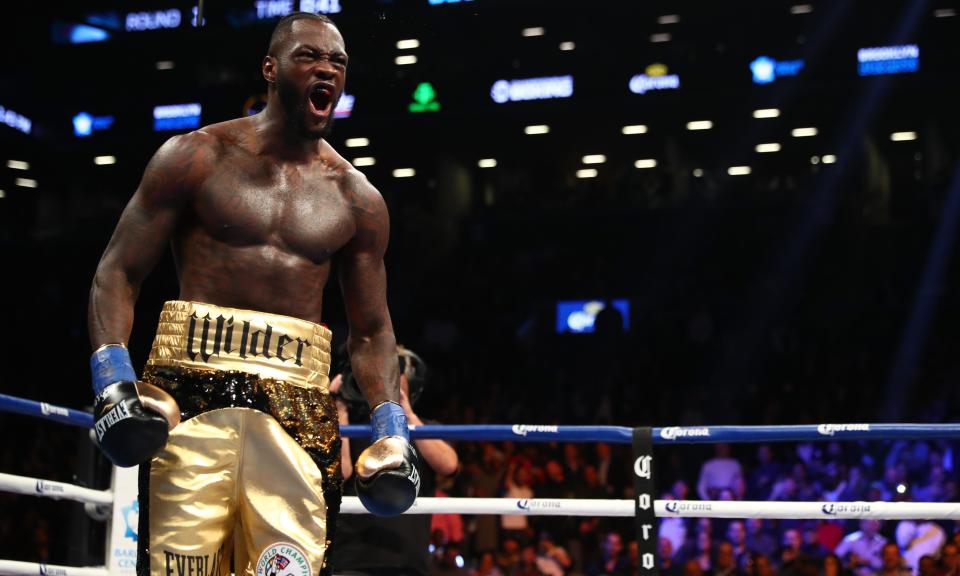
[573, 506]
[15, 568]
[587, 434]
[56, 490]
[545, 507]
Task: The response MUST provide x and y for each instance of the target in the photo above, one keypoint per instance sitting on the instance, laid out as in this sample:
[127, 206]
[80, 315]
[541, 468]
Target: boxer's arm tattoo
[142, 234]
[364, 284]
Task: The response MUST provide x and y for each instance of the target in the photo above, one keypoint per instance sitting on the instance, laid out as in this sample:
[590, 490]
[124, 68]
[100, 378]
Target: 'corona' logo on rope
[831, 429]
[832, 509]
[678, 507]
[674, 432]
[44, 487]
[522, 429]
[48, 409]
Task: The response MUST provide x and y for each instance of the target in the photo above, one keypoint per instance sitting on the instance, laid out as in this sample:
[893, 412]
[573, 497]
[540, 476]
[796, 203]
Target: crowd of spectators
[552, 546]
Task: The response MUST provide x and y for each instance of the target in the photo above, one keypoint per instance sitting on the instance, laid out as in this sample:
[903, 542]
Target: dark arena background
[653, 213]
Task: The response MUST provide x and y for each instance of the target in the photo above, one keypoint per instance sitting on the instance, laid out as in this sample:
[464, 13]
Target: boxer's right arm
[129, 432]
[141, 236]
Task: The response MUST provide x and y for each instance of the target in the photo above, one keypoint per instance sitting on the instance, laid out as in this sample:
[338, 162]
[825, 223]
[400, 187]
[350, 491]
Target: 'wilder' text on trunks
[217, 336]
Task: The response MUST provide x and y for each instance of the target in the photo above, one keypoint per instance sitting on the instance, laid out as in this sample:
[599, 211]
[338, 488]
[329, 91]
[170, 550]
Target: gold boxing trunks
[252, 471]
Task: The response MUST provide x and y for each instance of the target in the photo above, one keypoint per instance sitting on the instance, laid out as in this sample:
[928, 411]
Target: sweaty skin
[255, 208]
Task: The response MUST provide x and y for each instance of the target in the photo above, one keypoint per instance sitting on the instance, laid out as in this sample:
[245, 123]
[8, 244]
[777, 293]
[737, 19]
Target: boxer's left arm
[363, 281]
[386, 477]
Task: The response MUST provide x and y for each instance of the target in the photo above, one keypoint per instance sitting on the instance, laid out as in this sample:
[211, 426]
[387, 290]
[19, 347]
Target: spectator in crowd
[950, 559]
[760, 565]
[726, 562]
[665, 556]
[509, 556]
[759, 541]
[611, 470]
[833, 567]
[862, 550]
[552, 560]
[720, 472]
[613, 561]
[918, 539]
[517, 482]
[763, 475]
[692, 568]
[893, 562]
[737, 536]
[927, 566]
[487, 566]
[791, 551]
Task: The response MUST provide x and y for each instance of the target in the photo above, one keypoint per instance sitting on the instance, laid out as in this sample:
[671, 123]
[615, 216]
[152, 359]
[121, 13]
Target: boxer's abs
[261, 241]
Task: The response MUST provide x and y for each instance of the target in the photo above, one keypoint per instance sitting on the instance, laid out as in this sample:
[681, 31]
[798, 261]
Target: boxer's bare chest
[259, 233]
[300, 209]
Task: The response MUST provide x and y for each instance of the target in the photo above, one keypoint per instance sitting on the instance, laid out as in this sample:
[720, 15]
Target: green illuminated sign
[424, 99]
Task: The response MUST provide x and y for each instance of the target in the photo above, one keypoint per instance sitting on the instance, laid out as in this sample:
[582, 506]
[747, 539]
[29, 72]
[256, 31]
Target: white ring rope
[56, 490]
[14, 568]
[677, 508]
[573, 506]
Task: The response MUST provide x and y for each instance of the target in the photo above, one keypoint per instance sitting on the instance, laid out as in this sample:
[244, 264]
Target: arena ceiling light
[896, 137]
[768, 147]
[634, 129]
[814, 160]
[3, 194]
[660, 37]
[487, 163]
[536, 129]
[408, 44]
[594, 159]
[698, 172]
[587, 173]
[766, 113]
[166, 64]
[738, 170]
[533, 31]
[803, 132]
[18, 165]
[668, 19]
[645, 163]
[828, 159]
[104, 160]
[25, 182]
[944, 13]
[405, 60]
[404, 173]
[699, 125]
[567, 46]
[801, 9]
[364, 161]
[357, 142]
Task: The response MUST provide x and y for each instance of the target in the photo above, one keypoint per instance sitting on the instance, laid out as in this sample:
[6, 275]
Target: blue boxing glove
[128, 433]
[387, 478]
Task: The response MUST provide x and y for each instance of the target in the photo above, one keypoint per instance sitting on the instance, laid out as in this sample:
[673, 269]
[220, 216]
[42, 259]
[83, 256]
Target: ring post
[122, 533]
[644, 485]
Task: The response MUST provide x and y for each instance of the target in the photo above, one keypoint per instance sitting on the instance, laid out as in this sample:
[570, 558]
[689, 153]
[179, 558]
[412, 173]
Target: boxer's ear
[269, 69]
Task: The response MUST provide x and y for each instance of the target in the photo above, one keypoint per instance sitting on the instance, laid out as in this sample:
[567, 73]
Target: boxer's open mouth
[321, 97]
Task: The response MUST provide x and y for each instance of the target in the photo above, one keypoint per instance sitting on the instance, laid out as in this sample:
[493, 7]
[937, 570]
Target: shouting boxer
[254, 208]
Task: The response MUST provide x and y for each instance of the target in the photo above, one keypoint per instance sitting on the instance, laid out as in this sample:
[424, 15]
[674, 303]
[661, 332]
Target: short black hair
[282, 30]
